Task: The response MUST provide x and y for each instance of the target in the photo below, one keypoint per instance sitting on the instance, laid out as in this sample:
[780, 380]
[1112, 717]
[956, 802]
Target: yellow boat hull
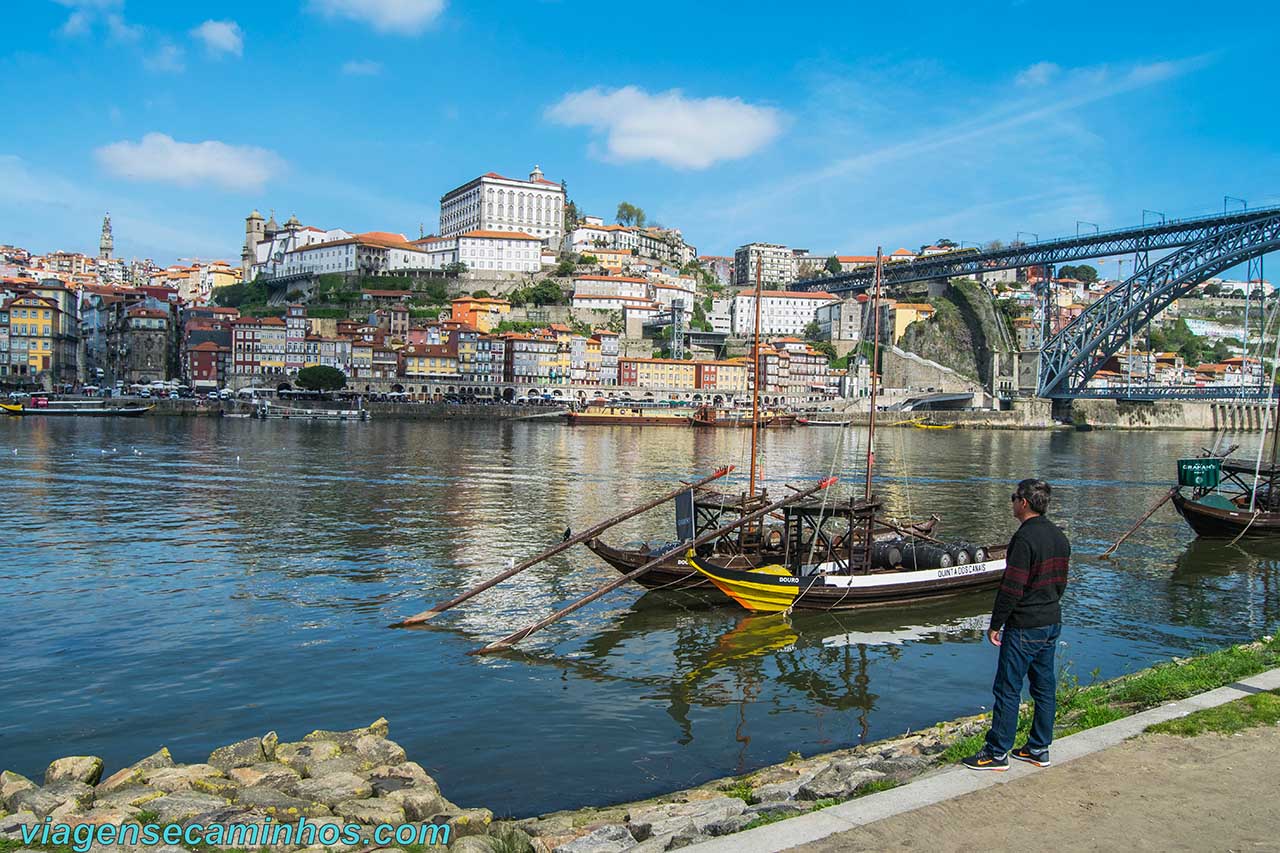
[764, 596]
[11, 408]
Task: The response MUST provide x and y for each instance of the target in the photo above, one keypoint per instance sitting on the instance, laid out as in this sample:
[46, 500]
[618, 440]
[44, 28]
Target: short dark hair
[1036, 493]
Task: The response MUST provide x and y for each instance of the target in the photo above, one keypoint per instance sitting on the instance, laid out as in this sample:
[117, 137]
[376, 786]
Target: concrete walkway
[927, 814]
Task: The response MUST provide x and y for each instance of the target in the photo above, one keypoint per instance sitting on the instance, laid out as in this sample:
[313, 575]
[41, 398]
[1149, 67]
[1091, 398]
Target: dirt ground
[1155, 792]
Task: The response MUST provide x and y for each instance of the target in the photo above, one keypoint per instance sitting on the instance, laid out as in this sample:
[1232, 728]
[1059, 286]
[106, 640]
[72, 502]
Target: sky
[835, 127]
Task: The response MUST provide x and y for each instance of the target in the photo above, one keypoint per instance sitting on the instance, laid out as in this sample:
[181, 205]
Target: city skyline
[181, 120]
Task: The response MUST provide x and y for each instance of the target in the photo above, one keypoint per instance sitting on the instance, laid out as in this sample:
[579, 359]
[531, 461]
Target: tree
[1087, 273]
[812, 331]
[321, 378]
[946, 243]
[629, 214]
[834, 266]
[482, 294]
[590, 260]
[1212, 289]
[454, 268]
[545, 292]
[995, 246]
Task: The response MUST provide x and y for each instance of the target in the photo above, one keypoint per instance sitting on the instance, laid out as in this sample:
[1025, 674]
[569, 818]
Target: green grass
[1260, 709]
[1082, 707]
[742, 791]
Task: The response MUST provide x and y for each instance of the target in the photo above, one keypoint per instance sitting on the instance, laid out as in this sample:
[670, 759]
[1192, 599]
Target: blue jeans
[1024, 652]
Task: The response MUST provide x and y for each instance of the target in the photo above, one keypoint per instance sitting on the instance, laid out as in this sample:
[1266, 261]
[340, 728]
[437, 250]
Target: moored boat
[1228, 498]
[54, 409]
[629, 414]
[709, 416]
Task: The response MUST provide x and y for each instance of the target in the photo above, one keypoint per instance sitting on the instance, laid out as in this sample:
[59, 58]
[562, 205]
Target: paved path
[959, 809]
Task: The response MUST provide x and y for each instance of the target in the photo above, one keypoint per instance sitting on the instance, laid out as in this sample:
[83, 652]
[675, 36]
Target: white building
[782, 312]
[605, 302]
[665, 294]
[508, 251]
[492, 202]
[371, 253]
[628, 287]
[777, 265]
[266, 243]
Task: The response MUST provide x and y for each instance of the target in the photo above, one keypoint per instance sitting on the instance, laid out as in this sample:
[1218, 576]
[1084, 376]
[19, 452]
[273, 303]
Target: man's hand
[993, 635]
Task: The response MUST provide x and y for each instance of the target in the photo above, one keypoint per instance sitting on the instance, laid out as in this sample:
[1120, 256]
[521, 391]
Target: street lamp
[1080, 222]
[1244, 205]
[1018, 235]
[1153, 213]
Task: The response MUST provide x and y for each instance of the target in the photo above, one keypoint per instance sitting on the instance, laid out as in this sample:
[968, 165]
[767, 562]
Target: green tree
[454, 268]
[1087, 273]
[834, 266]
[1212, 289]
[826, 348]
[946, 243]
[812, 331]
[565, 267]
[588, 259]
[482, 294]
[321, 378]
[629, 214]
[545, 292]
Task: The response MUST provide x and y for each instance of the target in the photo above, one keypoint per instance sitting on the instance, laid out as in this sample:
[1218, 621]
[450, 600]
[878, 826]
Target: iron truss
[970, 262]
[1072, 356]
[1174, 392]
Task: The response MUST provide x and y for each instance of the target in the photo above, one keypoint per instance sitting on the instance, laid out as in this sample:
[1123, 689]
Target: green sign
[1201, 473]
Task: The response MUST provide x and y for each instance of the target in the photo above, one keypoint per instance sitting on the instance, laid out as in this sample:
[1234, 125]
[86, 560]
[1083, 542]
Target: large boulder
[10, 784]
[463, 822]
[245, 753]
[783, 791]
[704, 817]
[38, 801]
[271, 774]
[180, 778]
[347, 740]
[305, 756]
[407, 774]
[371, 812]
[374, 751]
[610, 838]
[132, 775]
[419, 804]
[279, 805]
[126, 798]
[74, 768]
[839, 781]
[334, 788]
[184, 805]
[72, 791]
[11, 826]
[473, 844]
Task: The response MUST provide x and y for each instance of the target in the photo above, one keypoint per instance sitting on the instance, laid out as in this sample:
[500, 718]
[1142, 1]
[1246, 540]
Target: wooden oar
[427, 615]
[511, 639]
[1106, 555]
[896, 529]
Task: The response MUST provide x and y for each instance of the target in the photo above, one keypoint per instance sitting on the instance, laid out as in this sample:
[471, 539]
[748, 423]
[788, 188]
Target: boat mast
[875, 360]
[1272, 411]
[755, 384]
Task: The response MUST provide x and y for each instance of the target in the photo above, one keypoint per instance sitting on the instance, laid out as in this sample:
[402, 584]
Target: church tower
[106, 245]
[254, 232]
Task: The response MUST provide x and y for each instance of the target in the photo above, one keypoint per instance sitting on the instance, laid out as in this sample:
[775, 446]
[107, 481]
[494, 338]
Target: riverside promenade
[1111, 787]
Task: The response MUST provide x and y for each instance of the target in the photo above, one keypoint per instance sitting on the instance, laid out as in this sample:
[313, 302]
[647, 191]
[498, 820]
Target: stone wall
[904, 369]
[1169, 414]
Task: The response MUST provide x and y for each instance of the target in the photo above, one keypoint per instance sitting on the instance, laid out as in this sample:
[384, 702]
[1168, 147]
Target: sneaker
[1040, 758]
[986, 760]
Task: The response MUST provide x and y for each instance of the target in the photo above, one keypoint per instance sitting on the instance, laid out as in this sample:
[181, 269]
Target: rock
[135, 797]
[334, 788]
[472, 844]
[656, 844]
[549, 825]
[781, 791]
[271, 774]
[38, 801]
[419, 804]
[408, 774]
[339, 764]
[279, 805]
[376, 751]
[901, 768]
[184, 805]
[774, 809]
[464, 822]
[72, 791]
[839, 781]
[371, 812]
[101, 816]
[245, 753]
[75, 768]
[681, 818]
[347, 740]
[306, 755]
[134, 773]
[610, 838]
[10, 784]
[219, 785]
[173, 779]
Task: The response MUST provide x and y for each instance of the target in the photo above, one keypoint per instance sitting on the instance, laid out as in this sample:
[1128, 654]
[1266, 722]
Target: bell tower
[254, 231]
[106, 245]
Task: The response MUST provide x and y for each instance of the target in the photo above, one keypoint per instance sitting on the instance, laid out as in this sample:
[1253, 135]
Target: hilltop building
[493, 202]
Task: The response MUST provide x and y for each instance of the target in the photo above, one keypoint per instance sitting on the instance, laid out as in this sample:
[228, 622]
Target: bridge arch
[1073, 355]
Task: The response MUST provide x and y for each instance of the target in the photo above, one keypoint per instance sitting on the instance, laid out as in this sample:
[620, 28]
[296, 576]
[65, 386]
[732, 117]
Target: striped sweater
[1035, 577]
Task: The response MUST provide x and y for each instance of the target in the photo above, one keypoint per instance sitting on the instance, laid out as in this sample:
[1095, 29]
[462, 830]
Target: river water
[191, 582]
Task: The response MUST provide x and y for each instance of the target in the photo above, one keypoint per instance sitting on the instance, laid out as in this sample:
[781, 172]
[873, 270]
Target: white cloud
[167, 57]
[362, 67]
[160, 158]
[220, 37]
[402, 17]
[1037, 75]
[684, 132]
[77, 24]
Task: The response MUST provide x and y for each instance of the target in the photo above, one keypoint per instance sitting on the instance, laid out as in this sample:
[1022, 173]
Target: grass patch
[876, 787]
[1082, 707]
[1260, 709]
[742, 791]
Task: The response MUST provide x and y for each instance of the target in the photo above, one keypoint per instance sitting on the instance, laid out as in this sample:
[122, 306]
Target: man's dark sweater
[1035, 577]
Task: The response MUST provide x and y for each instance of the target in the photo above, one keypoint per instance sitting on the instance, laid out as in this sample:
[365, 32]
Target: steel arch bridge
[1137, 240]
[1076, 352]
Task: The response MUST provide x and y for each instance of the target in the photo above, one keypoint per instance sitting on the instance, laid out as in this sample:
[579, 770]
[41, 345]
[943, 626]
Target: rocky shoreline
[362, 777]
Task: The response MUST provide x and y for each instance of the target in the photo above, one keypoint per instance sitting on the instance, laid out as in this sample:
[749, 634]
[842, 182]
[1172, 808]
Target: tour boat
[1228, 499]
[629, 414]
[75, 409]
[709, 416]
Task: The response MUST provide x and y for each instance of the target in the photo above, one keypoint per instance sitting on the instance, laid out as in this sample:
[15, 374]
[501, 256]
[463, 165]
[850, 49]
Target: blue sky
[834, 127]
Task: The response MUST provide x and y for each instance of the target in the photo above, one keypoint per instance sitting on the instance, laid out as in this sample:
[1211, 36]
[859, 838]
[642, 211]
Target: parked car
[145, 393]
[174, 395]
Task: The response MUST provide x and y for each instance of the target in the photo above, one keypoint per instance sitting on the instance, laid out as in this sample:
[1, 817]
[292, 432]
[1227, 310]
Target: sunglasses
[1016, 497]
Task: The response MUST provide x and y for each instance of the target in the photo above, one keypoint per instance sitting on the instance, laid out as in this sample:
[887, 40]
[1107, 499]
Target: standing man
[1025, 623]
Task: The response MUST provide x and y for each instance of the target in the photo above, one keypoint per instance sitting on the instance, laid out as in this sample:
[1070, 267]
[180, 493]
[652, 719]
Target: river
[190, 582]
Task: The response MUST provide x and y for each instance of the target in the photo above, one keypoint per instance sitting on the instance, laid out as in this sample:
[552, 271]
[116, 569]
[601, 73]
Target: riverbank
[363, 777]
